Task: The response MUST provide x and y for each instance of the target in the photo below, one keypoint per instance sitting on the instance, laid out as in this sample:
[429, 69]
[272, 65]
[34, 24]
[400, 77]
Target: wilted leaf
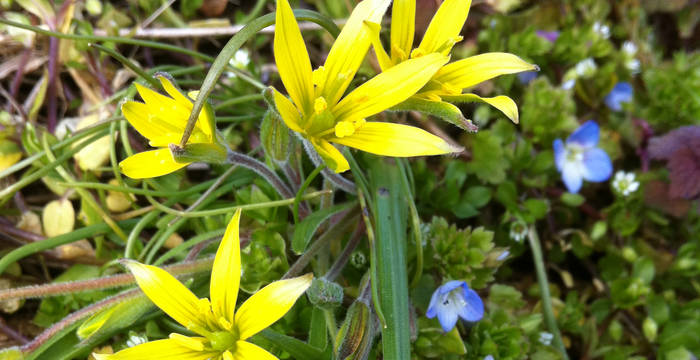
[95, 154]
[58, 217]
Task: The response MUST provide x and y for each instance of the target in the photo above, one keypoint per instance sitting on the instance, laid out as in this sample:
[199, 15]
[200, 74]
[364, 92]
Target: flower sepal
[199, 152]
[439, 109]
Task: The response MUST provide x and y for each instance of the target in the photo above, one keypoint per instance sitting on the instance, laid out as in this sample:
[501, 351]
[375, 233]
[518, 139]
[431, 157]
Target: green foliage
[673, 85]
[547, 112]
[459, 254]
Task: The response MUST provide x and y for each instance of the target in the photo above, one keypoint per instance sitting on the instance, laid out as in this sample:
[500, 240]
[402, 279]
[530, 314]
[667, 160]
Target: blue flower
[621, 93]
[454, 300]
[550, 36]
[527, 76]
[580, 159]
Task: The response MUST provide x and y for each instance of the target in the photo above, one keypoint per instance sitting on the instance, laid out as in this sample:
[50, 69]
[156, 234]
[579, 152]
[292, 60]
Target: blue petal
[621, 93]
[527, 76]
[586, 135]
[451, 285]
[559, 153]
[434, 303]
[597, 166]
[474, 309]
[571, 175]
[447, 319]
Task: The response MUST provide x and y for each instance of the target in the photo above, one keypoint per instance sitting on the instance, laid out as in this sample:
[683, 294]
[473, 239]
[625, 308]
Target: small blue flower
[580, 159]
[621, 93]
[454, 300]
[527, 76]
[550, 36]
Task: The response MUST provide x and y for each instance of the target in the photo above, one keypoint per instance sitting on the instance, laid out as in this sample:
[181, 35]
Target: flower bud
[650, 329]
[275, 138]
[325, 294]
[354, 338]
[615, 330]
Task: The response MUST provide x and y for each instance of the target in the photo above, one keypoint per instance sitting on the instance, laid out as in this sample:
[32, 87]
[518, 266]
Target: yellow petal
[149, 164]
[475, 69]
[7, 160]
[206, 122]
[503, 103]
[445, 27]
[164, 107]
[269, 305]
[292, 58]
[388, 88]
[349, 49]
[403, 20]
[289, 114]
[226, 272]
[173, 91]
[331, 156]
[168, 349]
[168, 294]
[150, 125]
[248, 351]
[385, 62]
[390, 139]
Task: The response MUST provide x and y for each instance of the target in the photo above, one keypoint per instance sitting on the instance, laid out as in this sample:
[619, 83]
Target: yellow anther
[188, 342]
[225, 324]
[319, 76]
[395, 49]
[344, 128]
[416, 53]
[320, 105]
[204, 306]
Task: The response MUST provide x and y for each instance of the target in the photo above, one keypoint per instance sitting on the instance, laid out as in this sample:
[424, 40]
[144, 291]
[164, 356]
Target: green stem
[84, 194]
[126, 62]
[300, 193]
[230, 209]
[107, 282]
[50, 243]
[536, 249]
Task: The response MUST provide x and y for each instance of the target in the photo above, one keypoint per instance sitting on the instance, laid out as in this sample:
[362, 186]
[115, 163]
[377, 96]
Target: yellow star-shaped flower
[222, 331]
[448, 83]
[319, 112]
[162, 120]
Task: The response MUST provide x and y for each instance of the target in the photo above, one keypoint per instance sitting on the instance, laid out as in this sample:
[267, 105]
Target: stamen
[319, 76]
[344, 128]
[188, 342]
[320, 105]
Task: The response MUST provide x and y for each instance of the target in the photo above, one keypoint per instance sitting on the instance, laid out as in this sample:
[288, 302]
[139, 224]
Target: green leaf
[573, 200]
[537, 208]
[488, 158]
[297, 348]
[307, 227]
[391, 222]
[477, 196]
[115, 318]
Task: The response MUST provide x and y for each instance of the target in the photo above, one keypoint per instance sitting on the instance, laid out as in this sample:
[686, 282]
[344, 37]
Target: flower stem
[544, 291]
[261, 169]
[337, 180]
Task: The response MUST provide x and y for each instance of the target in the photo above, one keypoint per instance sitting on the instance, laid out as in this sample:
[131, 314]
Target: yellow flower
[162, 120]
[222, 332]
[319, 112]
[442, 34]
